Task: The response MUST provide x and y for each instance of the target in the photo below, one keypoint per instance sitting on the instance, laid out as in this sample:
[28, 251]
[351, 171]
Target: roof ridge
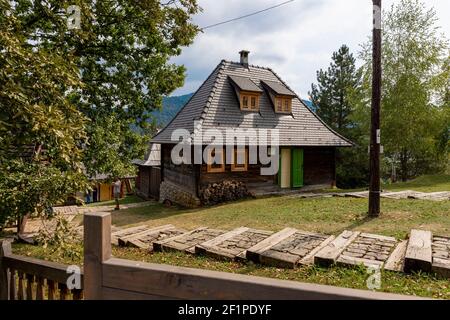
[221, 68]
[313, 113]
[250, 65]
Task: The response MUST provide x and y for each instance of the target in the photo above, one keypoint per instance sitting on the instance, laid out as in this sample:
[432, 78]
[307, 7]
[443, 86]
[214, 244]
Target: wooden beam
[125, 232]
[419, 253]
[253, 254]
[309, 259]
[5, 251]
[396, 260]
[124, 240]
[97, 250]
[234, 244]
[330, 253]
[141, 279]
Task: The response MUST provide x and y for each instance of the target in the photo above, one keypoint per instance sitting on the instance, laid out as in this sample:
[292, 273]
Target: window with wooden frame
[212, 166]
[249, 101]
[240, 160]
[283, 104]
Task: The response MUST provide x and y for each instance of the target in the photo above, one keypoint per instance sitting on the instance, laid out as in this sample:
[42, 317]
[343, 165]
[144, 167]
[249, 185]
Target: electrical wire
[247, 15]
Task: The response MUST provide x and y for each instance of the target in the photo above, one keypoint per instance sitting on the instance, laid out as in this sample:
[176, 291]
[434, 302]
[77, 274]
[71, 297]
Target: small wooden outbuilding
[149, 173]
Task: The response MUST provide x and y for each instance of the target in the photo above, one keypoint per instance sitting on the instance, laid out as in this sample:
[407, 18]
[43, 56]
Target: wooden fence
[24, 278]
[106, 277]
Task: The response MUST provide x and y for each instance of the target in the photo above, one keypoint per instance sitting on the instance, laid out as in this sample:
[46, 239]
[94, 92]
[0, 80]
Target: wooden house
[243, 96]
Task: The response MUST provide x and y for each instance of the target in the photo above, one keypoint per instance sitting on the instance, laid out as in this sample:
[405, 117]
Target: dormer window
[280, 95]
[247, 92]
[249, 101]
[283, 105]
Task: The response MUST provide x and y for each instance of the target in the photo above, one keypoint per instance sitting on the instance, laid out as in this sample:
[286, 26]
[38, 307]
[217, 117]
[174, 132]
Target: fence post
[5, 250]
[97, 249]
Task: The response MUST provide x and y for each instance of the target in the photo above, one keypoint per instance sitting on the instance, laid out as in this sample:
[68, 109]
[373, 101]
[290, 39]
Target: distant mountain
[310, 105]
[171, 106]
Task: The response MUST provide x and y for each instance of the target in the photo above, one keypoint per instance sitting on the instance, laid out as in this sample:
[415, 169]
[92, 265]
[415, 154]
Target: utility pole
[375, 132]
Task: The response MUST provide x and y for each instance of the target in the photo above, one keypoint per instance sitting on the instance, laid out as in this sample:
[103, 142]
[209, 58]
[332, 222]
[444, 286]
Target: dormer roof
[245, 84]
[278, 88]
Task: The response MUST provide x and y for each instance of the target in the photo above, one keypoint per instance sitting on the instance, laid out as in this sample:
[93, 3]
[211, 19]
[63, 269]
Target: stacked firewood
[225, 191]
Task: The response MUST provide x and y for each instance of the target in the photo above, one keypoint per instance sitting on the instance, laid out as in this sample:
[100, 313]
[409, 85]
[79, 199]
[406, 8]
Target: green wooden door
[297, 168]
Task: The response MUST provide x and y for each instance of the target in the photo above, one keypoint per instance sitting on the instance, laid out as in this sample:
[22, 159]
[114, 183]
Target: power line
[247, 15]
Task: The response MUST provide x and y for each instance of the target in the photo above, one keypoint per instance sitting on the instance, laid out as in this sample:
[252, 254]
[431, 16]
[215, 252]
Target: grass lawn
[326, 215]
[126, 200]
[430, 183]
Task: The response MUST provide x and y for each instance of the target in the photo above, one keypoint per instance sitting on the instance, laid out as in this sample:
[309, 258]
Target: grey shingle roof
[153, 157]
[278, 88]
[245, 84]
[215, 106]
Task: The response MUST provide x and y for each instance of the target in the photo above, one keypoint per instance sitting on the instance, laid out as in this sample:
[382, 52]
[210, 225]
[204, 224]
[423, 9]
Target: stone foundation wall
[175, 194]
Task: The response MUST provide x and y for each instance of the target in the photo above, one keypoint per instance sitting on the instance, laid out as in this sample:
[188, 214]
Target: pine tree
[331, 95]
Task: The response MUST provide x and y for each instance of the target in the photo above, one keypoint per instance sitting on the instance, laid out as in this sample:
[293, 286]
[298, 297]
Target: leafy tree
[123, 50]
[40, 130]
[415, 84]
[336, 96]
[79, 98]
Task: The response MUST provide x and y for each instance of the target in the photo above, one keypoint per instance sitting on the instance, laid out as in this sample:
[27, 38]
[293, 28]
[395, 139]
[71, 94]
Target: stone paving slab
[126, 232]
[398, 195]
[232, 245]
[368, 249]
[296, 248]
[146, 240]
[187, 241]
[441, 256]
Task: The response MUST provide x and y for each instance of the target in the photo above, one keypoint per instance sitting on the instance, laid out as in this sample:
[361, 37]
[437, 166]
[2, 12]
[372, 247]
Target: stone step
[187, 241]
[288, 248]
[232, 245]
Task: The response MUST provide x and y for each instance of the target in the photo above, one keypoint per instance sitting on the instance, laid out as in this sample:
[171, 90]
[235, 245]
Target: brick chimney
[244, 58]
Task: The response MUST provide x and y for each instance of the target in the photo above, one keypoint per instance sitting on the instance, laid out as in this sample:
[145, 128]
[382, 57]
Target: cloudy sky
[295, 39]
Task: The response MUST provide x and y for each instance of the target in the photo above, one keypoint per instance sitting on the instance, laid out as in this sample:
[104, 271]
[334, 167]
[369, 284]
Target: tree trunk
[404, 165]
[21, 224]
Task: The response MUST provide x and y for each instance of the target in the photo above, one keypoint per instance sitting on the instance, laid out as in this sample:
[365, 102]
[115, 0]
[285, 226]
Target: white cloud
[295, 40]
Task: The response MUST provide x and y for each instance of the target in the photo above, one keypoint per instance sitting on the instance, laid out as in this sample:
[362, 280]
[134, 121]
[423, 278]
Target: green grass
[325, 215]
[415, 284]
[125, 200]
[430, 183]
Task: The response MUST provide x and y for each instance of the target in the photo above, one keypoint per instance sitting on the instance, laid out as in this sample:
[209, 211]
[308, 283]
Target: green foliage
[122, 50]
[61, 86]
[331, 95]
[337, 97]
[63, 239]
[40, 129]
[415, 103]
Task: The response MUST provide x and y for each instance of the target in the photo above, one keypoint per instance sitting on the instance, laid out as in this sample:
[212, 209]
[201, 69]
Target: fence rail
[24, 278]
